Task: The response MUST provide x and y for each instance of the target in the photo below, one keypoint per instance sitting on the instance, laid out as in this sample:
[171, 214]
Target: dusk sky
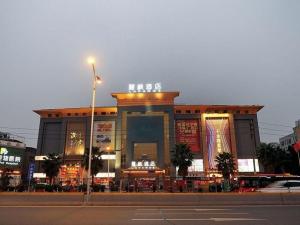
[213, 52]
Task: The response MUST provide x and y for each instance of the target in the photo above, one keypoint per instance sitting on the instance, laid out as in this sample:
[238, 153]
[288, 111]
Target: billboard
[104, 135]
[217, 138]
[75, 138]
[187, 131]
[10, 157]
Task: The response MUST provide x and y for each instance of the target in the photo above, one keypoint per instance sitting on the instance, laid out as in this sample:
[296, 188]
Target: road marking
[191, 213]
[195, 219]
[235, 219]
[170, 209]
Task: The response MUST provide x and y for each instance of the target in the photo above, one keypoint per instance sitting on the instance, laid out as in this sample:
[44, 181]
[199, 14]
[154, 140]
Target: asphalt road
[164, 215]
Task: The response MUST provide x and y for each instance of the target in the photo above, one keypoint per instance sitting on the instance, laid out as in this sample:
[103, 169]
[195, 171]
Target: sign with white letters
[9, 156]
[141, 88]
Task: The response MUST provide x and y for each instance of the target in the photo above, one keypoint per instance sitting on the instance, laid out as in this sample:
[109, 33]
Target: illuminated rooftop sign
[141, 88]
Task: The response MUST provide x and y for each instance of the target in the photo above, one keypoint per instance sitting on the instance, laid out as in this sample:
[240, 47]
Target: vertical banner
[217, 138]
[31, 170]
[187, 131]
[104, 135]
[75, 138]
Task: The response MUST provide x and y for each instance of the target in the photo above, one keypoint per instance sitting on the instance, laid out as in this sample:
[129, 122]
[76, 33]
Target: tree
[96, 161]
[51, 165]
[225, 164]
[272, 157]
[182, 159]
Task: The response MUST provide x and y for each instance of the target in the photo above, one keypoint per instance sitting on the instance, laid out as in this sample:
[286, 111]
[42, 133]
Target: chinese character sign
[148, 87]
[187, 131]
[10, 157]
[75, 138]
[217, 138]
[104, 135]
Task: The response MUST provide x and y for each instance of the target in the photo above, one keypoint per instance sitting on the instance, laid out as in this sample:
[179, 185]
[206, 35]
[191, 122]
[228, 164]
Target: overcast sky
[213, 52]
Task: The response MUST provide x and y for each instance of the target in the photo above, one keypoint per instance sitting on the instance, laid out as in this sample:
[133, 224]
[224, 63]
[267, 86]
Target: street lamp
[96, 80]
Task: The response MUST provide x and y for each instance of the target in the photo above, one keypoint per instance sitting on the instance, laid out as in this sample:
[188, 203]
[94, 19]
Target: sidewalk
[147, 199]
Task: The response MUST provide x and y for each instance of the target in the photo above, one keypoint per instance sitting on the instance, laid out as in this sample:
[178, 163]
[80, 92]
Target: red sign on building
[187, 131]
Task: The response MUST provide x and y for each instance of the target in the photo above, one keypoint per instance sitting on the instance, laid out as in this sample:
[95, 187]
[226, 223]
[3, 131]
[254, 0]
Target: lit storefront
[149, 124]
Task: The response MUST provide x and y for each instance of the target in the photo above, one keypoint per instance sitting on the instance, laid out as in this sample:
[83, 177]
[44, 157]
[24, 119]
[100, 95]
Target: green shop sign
[10, 157]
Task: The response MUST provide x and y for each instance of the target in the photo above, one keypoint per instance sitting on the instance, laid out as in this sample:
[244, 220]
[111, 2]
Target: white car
[282, 186]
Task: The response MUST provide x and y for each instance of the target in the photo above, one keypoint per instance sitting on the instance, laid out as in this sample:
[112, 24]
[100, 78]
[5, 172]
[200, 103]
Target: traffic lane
[229, 215]
[64, 215]
[191, 216]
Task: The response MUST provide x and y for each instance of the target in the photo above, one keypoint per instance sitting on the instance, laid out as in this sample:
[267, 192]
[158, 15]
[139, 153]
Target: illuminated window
[246, 165]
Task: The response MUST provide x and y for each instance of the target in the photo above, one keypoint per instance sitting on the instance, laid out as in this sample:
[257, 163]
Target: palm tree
[51, 165]
[225, 164]
[96, 161]
[182, 159]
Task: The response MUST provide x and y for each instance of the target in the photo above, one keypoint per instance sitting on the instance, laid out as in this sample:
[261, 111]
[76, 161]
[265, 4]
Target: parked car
[282, 187]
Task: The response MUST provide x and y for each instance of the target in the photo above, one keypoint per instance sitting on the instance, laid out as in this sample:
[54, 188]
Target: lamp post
[107, 149]
[96, 79]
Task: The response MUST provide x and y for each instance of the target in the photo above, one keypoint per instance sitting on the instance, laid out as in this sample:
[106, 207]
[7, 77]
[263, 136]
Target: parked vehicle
[282, 187]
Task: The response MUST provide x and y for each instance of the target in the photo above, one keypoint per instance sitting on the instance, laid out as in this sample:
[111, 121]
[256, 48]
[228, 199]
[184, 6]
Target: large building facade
[140, 133]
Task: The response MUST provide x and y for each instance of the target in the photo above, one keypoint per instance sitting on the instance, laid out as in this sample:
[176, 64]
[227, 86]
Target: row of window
[214, 111]
[177, 112]
[83, 114]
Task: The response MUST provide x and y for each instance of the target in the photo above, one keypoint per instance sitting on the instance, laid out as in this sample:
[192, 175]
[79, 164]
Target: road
[163, 215]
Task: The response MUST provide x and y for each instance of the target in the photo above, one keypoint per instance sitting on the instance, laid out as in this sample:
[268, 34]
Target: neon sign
[141, 88]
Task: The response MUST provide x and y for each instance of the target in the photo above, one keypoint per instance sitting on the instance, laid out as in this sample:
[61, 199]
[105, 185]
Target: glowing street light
[96, 80]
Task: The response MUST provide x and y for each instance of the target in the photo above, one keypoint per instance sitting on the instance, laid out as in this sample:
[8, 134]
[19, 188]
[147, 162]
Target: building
[139, 135]
[15, 158]
[291, 138]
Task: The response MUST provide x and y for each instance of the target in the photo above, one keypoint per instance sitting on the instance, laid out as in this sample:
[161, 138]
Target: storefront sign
[104, 135]
[187, 131]
[143, 164]
[10, 156]
[148, 87]
[39, 175]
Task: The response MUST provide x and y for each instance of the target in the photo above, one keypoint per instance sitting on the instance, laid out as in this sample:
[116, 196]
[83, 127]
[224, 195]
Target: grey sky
[213, 52]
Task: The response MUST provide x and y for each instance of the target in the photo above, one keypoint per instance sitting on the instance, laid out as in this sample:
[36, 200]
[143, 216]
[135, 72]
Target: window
[84, 114]
[103, 113]
[76, 114]
[57, 115]
[112, 113]
[188, 111]
[49, 115]
[178, 111]
[197, 111]
[69, 114]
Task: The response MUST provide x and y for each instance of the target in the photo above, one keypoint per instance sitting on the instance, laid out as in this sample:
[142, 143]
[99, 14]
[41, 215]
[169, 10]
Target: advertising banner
[75, 138]
[187, 131]
[217, 138]
[31, 169]
[10, 157]
[104, 135]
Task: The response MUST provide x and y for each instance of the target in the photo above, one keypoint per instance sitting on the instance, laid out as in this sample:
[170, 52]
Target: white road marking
[235, 219]
[170, 209]
[191, 213]
[195, 219]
